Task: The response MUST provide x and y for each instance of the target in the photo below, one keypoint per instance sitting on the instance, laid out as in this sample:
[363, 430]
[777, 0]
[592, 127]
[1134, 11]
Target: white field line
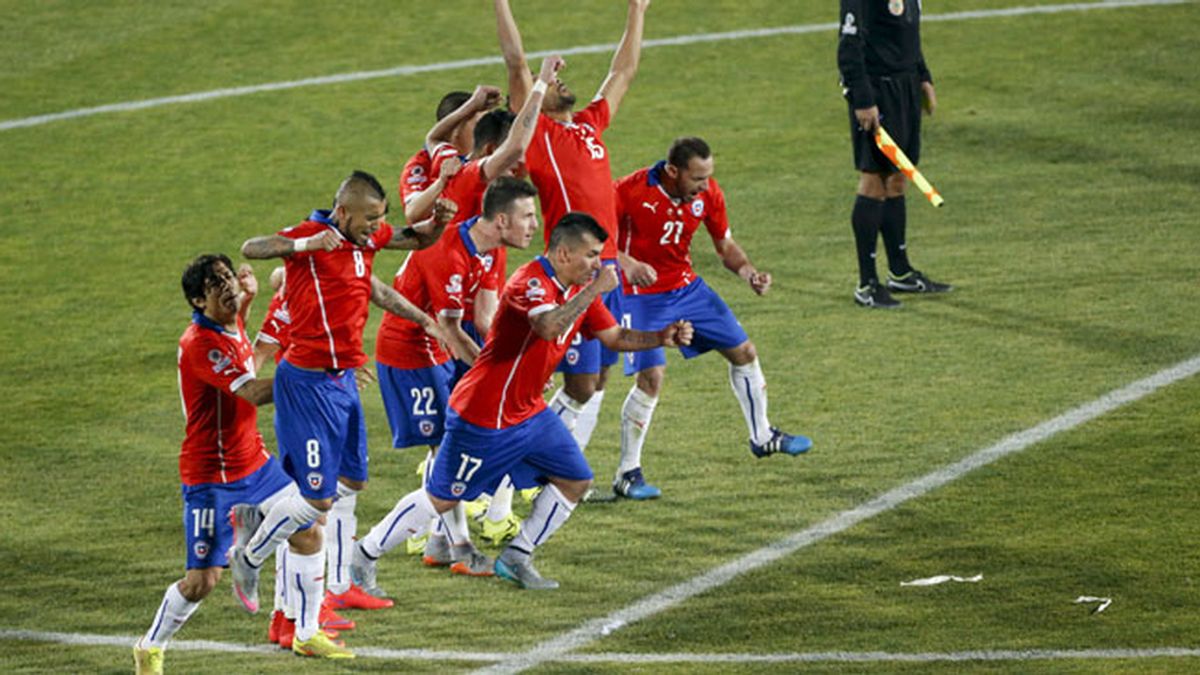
[125, 642]
[595, 629]
[679, 40]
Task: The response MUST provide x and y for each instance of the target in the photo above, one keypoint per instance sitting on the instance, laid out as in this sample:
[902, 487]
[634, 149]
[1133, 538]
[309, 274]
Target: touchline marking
[404, 71]
[125, 642]
[595, 629]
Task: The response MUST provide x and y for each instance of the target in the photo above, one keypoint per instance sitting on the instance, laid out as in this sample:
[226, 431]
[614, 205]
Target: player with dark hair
[318, 414]
[569, 163]
[885, 82]
[458, 113]
[222, 461]
[659, 209]
[416, 375]
[498, 423]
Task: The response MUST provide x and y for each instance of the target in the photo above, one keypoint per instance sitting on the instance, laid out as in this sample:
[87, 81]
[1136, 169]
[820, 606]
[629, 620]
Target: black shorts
[899, 101]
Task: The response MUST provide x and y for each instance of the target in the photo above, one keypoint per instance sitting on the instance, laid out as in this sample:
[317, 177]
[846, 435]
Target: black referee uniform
[881, 64]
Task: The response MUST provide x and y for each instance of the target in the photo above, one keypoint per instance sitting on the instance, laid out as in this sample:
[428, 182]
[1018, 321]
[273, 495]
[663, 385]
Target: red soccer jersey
[329, 293]
[221, 443]
[568, 163]
[438, 280]
[276, 325]
[504, 387]
[495, 272]
[657, 229]
[416, 176]
[466, 190]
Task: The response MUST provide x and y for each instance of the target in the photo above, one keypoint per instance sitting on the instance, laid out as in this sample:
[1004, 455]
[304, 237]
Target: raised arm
[625, 61]
[249, 285]
[520, 80]
[425, 233]
[552, 323]
[484, 98]
[521, 133]
[736, 261]
[420, 204]
[276, 246]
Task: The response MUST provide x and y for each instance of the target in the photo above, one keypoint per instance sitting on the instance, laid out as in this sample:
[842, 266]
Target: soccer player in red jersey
[568, 162]
[659, 209]
[498, 423]
[272, 337]
[446, 145]
[415, 375]
[318, 413]
[223, 460]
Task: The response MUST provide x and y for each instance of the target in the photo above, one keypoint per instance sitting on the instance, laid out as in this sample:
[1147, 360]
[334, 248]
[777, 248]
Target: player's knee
[871, 185]
[321, 505]
[650, 381]
[572, 490]
[355, 485]
[441, 505]
[580, 388]
[602, 378]
[307, 542]
[743, 354]
[897, 183]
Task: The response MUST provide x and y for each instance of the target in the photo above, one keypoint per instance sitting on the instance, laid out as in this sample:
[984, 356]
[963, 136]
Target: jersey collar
[549, 270]
[654, 175]
[199, 319]
[464, 233]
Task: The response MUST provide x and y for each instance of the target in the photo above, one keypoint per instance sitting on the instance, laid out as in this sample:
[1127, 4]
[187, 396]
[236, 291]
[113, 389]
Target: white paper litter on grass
[941, 579]
[1104, 602]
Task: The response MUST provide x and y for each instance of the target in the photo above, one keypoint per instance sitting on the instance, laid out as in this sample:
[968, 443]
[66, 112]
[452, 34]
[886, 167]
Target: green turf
[1066, 148]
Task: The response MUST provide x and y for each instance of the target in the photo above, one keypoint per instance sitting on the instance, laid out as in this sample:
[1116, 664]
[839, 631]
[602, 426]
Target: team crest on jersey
[487, 261]
[572, 356]
[426, 427]
[534, 290]
[896, 7]
[698, 208]
[200, 549]
[315, 480]
[457, 488]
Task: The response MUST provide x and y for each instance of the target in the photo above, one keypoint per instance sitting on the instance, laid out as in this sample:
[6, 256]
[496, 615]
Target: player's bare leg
[636, 414]
[551, 508]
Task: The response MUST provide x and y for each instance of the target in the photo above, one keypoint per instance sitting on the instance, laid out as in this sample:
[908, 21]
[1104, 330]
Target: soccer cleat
[522, 573]
[356, 598]
[469, 561]
[498, 532]
[916, 282]
[322, 647]
[277, 622]
[875, 296]
[416, 545]
[147, 661]
[477, 509]
[781, 442]
[362, 573]
[287, 633]
[245, 579]
[245, 519]
[632, 485]
[529, 493]
[330, 619]
[437, 552]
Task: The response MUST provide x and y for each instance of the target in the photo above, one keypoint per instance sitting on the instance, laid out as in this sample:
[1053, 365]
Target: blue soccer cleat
[632, 485]
[781, 442]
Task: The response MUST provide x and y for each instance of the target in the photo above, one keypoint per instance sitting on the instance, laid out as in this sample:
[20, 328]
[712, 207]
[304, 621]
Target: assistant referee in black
[885, 81]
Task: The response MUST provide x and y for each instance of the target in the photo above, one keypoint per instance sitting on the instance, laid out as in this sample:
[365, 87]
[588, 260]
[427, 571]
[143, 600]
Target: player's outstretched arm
[389, 299]
[549, 325]
[425, 233]
[625, 61]
[520, 80]
[620, 339]
[460, 343]
[736, 261]
[258, 392]
[521, 132]
[275, 246]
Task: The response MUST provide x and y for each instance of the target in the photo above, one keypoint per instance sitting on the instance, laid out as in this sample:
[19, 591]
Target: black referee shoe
[916, 282]
[876, 296]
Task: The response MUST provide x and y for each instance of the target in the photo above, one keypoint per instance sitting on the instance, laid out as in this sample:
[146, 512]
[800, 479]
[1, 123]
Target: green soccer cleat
[147, 661]
[496, 532]
[321, 647]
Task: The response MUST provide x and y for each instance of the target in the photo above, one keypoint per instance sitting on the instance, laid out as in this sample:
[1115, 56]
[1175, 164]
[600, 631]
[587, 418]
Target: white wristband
[539, 87]
[300, 245]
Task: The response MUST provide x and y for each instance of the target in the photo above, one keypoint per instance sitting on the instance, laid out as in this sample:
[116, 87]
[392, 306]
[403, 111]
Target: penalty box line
[591, 631]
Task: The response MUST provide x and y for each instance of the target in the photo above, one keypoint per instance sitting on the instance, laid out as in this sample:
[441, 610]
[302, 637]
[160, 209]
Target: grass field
[1066, 145]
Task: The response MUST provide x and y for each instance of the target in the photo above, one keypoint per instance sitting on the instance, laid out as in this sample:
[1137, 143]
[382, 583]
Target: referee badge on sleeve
[896, 7]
